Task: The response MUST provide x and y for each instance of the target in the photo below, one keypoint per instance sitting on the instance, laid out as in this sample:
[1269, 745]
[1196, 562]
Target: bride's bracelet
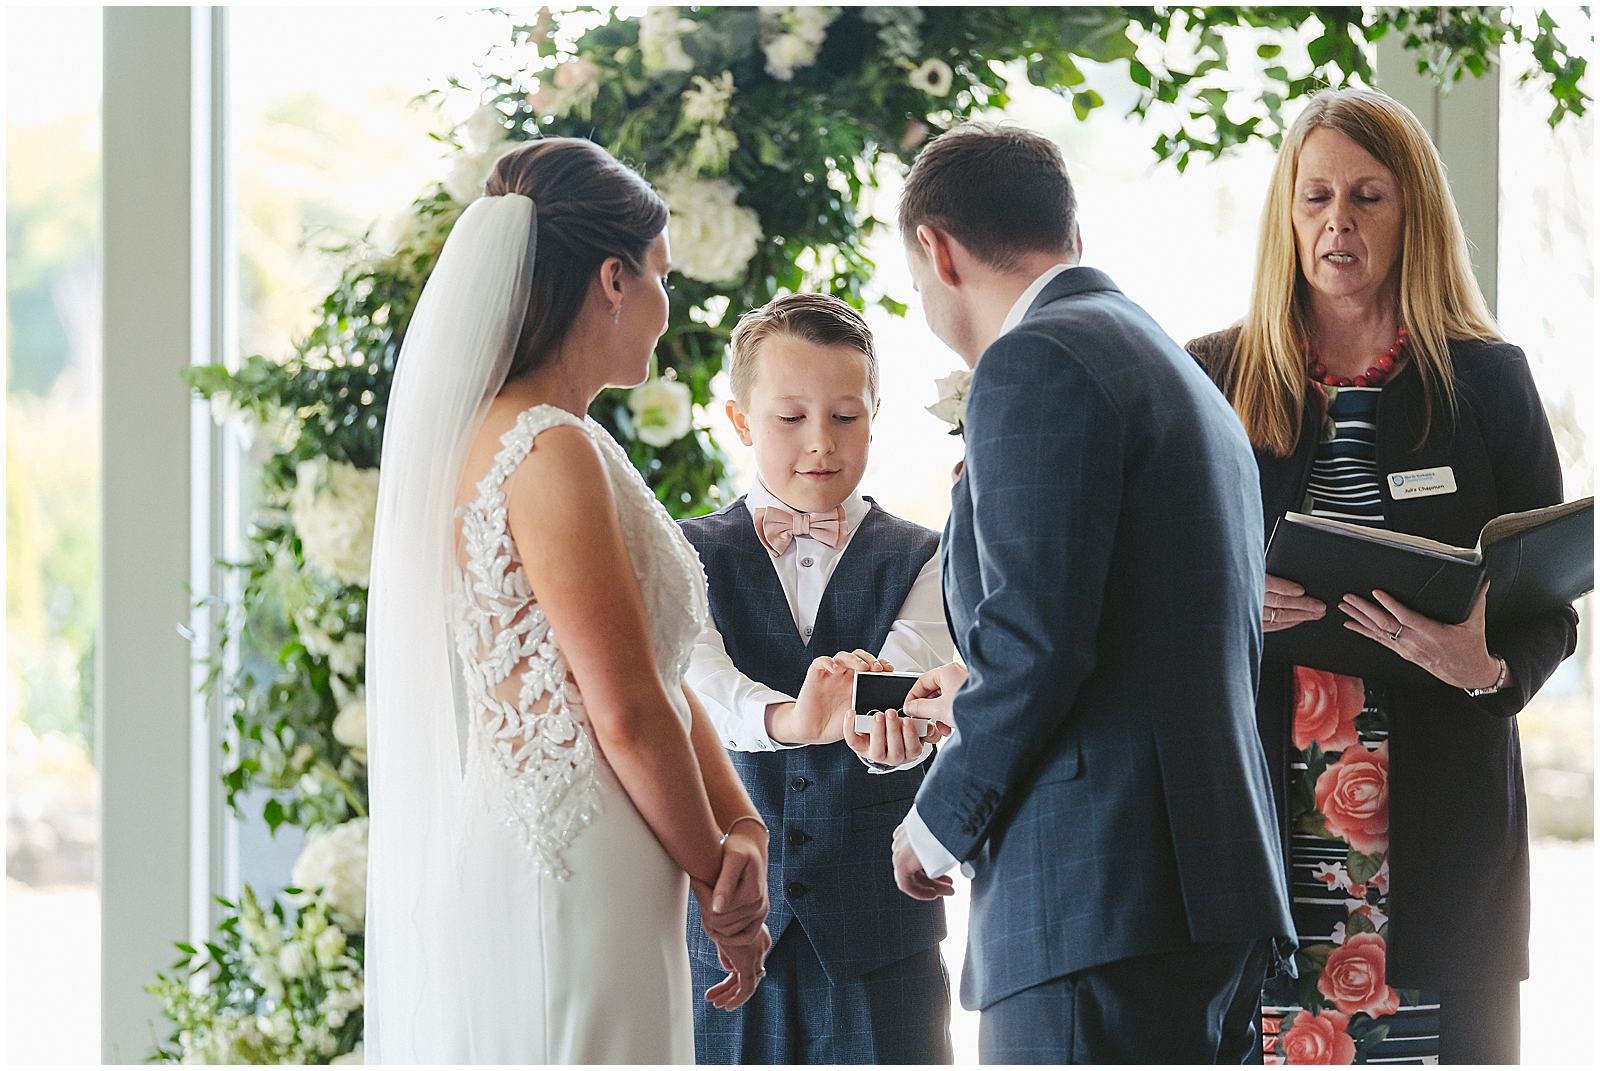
[744, 818]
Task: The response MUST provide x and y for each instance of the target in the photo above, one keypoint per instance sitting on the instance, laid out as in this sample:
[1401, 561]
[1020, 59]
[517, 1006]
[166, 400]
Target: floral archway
[766, 131]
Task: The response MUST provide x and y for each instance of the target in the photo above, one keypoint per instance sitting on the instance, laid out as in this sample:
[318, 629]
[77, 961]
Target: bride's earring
[616, 317]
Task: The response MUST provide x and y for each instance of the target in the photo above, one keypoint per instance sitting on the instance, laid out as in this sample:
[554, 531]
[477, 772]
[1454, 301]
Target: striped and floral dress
[1341, 1009]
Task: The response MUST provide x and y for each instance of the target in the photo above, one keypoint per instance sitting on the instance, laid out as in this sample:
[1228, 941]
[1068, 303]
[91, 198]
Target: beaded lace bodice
[529, 739]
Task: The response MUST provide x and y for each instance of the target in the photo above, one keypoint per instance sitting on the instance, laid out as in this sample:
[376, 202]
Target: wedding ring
[1395, 635]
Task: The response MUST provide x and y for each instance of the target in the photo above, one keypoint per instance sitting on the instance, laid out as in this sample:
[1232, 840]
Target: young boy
[807, 579]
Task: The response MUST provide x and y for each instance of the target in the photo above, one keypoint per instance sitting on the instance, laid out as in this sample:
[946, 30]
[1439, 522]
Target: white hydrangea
[469, 171]
[333, 508]
[791, 37]
[663, 411]
[899, 29]
[711, 150]
[350, 727]
[484, 129]
[296, 961]
[329, 946]
[333, 867]
[934, 77]
[345, 652]
[661, 33]
[707, 99]
[713, 236]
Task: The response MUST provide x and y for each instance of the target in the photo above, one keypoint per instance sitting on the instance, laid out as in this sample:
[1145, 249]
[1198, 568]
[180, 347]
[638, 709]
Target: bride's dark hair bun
[588, 207]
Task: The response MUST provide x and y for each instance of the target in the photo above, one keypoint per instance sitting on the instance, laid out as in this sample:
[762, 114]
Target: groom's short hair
[1001, 191]
[820, 319]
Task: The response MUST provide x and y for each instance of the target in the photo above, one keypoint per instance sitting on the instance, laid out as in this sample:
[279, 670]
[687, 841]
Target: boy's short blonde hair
[816, 318]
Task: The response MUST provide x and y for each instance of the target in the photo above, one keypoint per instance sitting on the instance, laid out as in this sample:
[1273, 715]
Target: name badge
[1421, 483]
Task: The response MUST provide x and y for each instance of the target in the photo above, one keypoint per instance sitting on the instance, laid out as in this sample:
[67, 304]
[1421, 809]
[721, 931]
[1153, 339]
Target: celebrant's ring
[1395, 635]
[1272, 615]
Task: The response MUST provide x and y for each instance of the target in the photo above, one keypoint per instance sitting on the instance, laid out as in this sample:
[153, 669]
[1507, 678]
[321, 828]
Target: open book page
[1514, 524]
[1396, 539]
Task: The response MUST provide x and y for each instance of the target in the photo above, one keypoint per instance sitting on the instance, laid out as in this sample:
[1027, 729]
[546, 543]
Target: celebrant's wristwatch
[1499, 682]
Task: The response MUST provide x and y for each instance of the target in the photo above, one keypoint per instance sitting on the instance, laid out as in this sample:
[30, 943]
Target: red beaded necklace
[1380, 370]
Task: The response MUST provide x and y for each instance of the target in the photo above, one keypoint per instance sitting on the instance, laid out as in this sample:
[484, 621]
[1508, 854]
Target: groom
[1105, 788]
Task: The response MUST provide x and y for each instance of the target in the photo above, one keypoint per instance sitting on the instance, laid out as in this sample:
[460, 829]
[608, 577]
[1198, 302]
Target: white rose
[484, 129]
[663, 411]
[333, 507]
[934, 77]
[333, 866]
[952, 404]
[350, 727]
[660, 41]
[713, 236]
[295, 962]
[354, 1056]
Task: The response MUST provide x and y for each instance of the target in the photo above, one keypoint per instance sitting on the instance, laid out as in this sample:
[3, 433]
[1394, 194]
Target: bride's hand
[737, 905]
[744, 963]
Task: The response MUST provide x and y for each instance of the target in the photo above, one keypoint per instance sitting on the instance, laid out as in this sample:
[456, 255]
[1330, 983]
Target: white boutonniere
[952, 404]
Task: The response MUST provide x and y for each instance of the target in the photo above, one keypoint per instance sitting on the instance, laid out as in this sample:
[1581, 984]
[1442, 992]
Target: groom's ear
[939, 248]
[740, 421]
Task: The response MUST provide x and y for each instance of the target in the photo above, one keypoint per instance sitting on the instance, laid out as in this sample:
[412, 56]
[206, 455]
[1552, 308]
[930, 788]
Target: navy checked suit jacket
[1103, 578]
[829, 863]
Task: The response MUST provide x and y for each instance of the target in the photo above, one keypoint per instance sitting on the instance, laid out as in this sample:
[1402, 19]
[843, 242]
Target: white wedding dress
[577, 912]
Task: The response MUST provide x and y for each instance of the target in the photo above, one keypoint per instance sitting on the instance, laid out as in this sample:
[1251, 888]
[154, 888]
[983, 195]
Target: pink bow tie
[776, 528]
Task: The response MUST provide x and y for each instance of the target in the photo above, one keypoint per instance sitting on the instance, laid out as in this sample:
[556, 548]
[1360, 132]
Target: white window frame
[169, 482]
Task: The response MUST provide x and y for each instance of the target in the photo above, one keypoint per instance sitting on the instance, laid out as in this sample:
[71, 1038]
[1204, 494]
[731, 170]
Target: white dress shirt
[935, 858]
[918, 641]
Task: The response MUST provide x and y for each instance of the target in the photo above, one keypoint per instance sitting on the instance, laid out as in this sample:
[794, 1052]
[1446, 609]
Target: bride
[545, 793]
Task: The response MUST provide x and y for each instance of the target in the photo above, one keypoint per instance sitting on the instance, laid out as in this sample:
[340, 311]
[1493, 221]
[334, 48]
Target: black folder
[1535, 561]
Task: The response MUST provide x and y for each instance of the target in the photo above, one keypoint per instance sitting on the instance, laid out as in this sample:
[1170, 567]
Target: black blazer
[1458, 815]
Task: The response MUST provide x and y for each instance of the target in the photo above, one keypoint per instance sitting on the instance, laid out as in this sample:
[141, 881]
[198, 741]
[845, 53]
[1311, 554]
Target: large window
[1546, 306]
[53, 536]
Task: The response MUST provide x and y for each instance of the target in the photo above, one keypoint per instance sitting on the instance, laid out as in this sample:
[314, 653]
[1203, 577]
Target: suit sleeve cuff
[936, 860]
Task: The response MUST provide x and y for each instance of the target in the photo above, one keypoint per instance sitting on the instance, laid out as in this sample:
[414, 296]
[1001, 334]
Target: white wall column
[159, 858]
[1464, 123]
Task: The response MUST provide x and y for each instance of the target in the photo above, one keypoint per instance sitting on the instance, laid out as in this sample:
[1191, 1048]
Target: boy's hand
[817, 714]
[934, 694]
[893, 739]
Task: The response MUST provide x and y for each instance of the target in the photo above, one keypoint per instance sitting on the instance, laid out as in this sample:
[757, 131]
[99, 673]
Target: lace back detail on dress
[540, 753]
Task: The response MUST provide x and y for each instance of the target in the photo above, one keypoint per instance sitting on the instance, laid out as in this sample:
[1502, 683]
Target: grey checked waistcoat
[831, 819]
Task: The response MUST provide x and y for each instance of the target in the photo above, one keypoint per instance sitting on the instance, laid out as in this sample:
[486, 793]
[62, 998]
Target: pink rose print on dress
[1353, 798]
[1355, 980]
[1325, 709]
[1319, 1038]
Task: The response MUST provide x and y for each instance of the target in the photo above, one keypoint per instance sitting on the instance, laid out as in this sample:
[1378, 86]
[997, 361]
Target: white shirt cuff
[936, 860]
[878, 767]
[753, 721]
